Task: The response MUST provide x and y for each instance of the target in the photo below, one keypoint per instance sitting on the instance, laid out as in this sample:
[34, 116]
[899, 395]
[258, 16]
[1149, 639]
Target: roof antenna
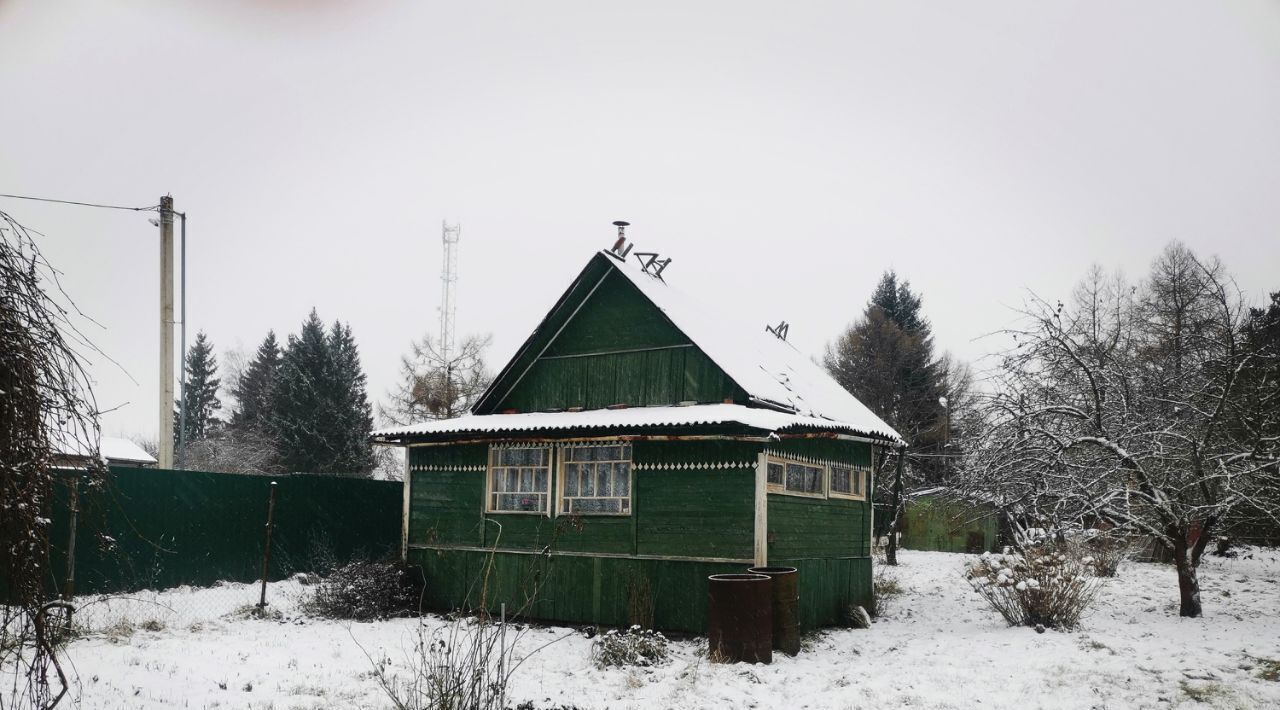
[780, 330]
[651, 264]
[618, 249]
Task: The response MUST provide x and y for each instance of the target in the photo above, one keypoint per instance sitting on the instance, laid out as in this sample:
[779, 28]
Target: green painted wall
[616, 349]
[692, 499]
[937, 524]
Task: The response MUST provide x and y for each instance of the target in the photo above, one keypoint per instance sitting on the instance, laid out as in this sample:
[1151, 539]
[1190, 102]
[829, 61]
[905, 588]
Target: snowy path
[938, 646]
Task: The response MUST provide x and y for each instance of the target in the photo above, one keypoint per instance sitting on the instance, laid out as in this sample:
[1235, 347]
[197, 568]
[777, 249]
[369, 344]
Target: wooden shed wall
[693, 515]
[617, 348]
[941, 525]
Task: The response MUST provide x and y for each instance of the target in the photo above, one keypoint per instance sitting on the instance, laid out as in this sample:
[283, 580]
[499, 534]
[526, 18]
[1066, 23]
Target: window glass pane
[540, 479]
[588, 487]
[813, 480]
[604, 479]
[775, 473]
[622, 479]
[571, 479]
[795, 477]
[841, 480]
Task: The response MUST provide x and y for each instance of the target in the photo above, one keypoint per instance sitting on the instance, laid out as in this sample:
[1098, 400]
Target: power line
[152, 208]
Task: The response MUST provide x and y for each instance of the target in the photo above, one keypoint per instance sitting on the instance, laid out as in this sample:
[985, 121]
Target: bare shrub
[48, 419]
[365, 591]
[466, 664]
[1104, 553]
[633, 647]
[884, 586]
[1044, 586]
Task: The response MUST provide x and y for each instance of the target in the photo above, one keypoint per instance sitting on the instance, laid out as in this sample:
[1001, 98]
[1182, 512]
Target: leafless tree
[45, 402]
[433, 386]
[1113, 411]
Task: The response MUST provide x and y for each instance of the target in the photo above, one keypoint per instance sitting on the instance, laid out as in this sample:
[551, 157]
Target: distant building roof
[113, 449]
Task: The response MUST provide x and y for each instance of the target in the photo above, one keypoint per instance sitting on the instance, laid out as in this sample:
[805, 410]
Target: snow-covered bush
[1047, 585]
[633, 647]
[365, 590]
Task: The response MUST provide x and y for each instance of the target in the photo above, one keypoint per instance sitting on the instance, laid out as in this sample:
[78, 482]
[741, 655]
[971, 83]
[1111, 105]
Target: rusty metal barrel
[785, 599]
[740, 618]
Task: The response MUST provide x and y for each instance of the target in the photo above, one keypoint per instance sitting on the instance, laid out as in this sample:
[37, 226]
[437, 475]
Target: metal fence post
[266, 551]
[69, 584]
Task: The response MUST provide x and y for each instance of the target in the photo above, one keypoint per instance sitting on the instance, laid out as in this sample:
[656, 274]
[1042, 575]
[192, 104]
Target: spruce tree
[886, 360]
[201, 393]
[320, 411]
[254, 390]
[354, 412]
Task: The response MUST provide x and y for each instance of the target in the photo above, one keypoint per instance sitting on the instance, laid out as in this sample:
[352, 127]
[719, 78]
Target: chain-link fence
[181, 548]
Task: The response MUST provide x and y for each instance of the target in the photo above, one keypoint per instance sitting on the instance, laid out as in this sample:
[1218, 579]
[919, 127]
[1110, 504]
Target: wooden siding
[693, 510]
[941, 525]
[689, 499]
[571, 589]
[616, 349]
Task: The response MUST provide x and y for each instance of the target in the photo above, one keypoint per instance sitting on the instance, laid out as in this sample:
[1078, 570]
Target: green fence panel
[157, 528]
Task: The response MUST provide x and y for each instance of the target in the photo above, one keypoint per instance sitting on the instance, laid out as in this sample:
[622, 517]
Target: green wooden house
[635, 444]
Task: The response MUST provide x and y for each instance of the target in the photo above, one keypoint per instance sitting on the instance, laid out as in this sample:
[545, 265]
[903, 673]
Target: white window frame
[859, 475]
[781, 489]
[488, 479]
[562, 460]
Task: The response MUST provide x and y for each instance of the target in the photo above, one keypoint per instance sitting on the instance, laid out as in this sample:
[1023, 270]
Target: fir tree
[254, 390]
[886, 360]
[354, 412]
[201, 393]
[320, 411]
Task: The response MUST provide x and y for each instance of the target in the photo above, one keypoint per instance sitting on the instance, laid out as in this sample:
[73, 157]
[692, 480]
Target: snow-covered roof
[634, 417]
[784, 387]
[109, 447]
[770, 369]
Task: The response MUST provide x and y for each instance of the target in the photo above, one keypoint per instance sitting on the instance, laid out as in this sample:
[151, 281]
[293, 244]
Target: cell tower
[449, 280]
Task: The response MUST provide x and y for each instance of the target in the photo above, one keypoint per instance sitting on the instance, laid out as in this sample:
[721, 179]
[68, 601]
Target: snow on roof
[766, 419]
[771, 370]
[109, 447]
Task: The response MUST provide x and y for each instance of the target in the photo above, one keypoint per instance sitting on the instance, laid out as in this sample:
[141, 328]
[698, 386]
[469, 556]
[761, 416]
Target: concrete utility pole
[166, 332]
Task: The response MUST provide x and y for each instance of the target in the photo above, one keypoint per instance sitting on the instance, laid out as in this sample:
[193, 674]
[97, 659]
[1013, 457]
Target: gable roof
[774, 375]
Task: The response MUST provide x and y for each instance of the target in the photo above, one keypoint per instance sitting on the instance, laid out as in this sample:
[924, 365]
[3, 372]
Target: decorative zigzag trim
[446, 467]
[816, 461]
[719, 465]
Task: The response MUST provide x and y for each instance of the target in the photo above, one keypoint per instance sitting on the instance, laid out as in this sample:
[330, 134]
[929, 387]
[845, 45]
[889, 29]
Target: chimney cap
[620, 223]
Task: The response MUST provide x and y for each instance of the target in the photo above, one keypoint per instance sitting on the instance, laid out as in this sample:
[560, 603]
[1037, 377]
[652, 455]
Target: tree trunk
[1188, 580]
[891, 550]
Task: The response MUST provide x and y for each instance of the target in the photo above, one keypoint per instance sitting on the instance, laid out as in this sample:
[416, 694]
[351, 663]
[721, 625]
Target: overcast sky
[784, 154]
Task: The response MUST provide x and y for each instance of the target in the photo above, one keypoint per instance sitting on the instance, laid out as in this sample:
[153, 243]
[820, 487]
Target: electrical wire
[152, 208]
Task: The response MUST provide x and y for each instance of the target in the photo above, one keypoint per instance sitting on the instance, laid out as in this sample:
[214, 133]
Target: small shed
[69, 452]
[636, 443]
[943, 520]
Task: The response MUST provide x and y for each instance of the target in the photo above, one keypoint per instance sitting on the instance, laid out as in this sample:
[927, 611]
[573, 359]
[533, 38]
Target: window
[777, 473]
[848, 481]
[520, 479]
[795, 477]
[596, 479]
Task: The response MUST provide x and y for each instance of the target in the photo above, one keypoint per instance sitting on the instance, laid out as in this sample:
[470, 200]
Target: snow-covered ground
[937, 646]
